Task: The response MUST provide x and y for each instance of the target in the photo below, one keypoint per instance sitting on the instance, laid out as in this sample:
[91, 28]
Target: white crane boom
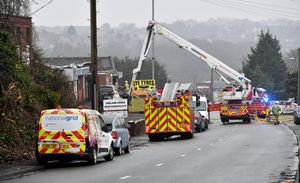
[218, 66]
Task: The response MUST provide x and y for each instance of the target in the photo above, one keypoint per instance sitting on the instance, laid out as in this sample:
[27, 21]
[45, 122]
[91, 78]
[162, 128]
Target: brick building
[20, 28]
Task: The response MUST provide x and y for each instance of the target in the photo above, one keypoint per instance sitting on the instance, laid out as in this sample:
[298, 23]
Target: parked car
[296, 116]
[119, 132]
[200, 122]
[71, 134]
[108, 92]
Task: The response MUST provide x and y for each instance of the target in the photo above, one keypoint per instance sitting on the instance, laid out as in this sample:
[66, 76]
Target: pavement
[13, 171]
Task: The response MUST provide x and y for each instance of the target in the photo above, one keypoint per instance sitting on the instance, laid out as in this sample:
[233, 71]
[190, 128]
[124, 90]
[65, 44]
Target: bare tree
[15, 7]
[12, 8]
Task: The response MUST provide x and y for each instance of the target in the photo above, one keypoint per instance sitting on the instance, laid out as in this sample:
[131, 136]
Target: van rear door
[62, 131]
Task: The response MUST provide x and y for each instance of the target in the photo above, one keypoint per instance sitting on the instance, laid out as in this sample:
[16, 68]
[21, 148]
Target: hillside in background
[226, 39]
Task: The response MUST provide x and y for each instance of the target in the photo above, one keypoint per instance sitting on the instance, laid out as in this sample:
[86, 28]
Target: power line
[271, 5]
[248, 9]
[247, 4]
[41, 7]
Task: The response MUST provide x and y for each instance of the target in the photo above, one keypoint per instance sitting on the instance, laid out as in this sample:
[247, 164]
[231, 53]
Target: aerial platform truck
[236, 98]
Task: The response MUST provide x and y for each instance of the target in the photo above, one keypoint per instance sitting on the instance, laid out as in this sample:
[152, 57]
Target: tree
[265, 66]
[15, 7]
[12, 7]
[127, 65]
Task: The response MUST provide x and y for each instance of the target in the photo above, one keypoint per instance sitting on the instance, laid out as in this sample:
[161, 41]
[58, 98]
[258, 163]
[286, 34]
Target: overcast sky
[114, 12]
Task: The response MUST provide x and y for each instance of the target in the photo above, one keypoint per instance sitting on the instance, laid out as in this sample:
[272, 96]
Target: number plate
[65, 146]
[51, 146]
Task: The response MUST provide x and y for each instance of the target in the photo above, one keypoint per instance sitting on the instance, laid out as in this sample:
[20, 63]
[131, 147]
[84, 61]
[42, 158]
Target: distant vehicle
[203, 109]
[200, 122]
[108, 92]
[71, 134]
[119, 131]
[296, 116]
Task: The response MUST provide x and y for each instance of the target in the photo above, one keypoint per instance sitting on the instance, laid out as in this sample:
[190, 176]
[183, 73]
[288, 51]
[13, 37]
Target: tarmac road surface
[230, 153]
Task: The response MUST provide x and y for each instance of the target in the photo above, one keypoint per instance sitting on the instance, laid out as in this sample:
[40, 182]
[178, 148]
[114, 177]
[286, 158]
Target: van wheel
[93, 157]
[118, 150]
[110, 155]
[127, 149]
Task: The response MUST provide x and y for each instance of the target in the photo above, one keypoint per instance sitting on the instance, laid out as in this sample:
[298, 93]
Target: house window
[18, 35]
[28, 36]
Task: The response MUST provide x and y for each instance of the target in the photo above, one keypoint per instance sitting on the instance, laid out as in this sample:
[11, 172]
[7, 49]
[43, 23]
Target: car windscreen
[61, 122]
[106, 90]
[108, 119]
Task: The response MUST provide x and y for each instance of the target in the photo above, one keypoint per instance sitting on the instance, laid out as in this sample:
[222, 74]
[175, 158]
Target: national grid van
[68, 134]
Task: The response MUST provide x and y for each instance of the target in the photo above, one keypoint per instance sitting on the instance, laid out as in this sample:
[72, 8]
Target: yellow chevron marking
[180, 116]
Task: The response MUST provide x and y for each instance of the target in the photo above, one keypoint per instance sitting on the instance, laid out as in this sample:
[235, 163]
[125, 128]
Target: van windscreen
[61, 122]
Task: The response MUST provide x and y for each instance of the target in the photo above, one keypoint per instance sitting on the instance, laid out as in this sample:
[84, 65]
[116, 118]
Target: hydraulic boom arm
[218, 66]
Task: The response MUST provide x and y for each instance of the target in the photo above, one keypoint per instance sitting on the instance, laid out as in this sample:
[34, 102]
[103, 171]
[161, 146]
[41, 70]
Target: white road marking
[211, 144]
[199, 149]
[183, 155]
[159, 164]
[125, 177]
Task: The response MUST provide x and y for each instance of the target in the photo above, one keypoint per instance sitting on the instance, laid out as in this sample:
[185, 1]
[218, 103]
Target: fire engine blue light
[266, 99]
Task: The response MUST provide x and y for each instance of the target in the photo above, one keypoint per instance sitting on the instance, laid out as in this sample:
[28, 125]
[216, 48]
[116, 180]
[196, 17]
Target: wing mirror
[127, 125]
[105, 129]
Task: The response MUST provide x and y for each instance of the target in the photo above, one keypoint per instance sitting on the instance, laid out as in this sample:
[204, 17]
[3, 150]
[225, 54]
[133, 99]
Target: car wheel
[118, 150]
[127, 149]
[198, 128]
[93, 156]
[110, 155]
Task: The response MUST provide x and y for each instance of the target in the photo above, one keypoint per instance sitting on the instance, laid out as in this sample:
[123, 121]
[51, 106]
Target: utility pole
[153, 59]
[211, 88]
[298, 96]
[94, 96]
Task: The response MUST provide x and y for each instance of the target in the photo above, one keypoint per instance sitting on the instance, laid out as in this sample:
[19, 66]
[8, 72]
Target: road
[232, 153]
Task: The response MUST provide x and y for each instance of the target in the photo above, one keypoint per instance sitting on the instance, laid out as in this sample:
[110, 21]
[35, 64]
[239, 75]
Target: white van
[202, 107]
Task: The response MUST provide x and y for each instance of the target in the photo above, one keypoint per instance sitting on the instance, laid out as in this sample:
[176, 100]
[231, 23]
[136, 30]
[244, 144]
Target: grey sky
[114, 12]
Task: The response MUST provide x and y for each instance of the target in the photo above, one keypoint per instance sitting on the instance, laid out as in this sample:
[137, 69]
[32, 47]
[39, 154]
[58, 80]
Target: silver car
[119, 132]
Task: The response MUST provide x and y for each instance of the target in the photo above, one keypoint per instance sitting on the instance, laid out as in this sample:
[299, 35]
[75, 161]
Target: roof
[105, 64]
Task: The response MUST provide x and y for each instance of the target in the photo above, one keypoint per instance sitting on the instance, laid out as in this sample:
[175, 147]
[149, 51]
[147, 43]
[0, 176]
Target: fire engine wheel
[93, 156]
[247, 120]
[154, 137]
[187, 135]
[41, 161]
[110, 155]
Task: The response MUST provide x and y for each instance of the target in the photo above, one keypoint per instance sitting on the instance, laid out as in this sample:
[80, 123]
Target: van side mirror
[127, 126]
[104, 128]
[197, 103]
